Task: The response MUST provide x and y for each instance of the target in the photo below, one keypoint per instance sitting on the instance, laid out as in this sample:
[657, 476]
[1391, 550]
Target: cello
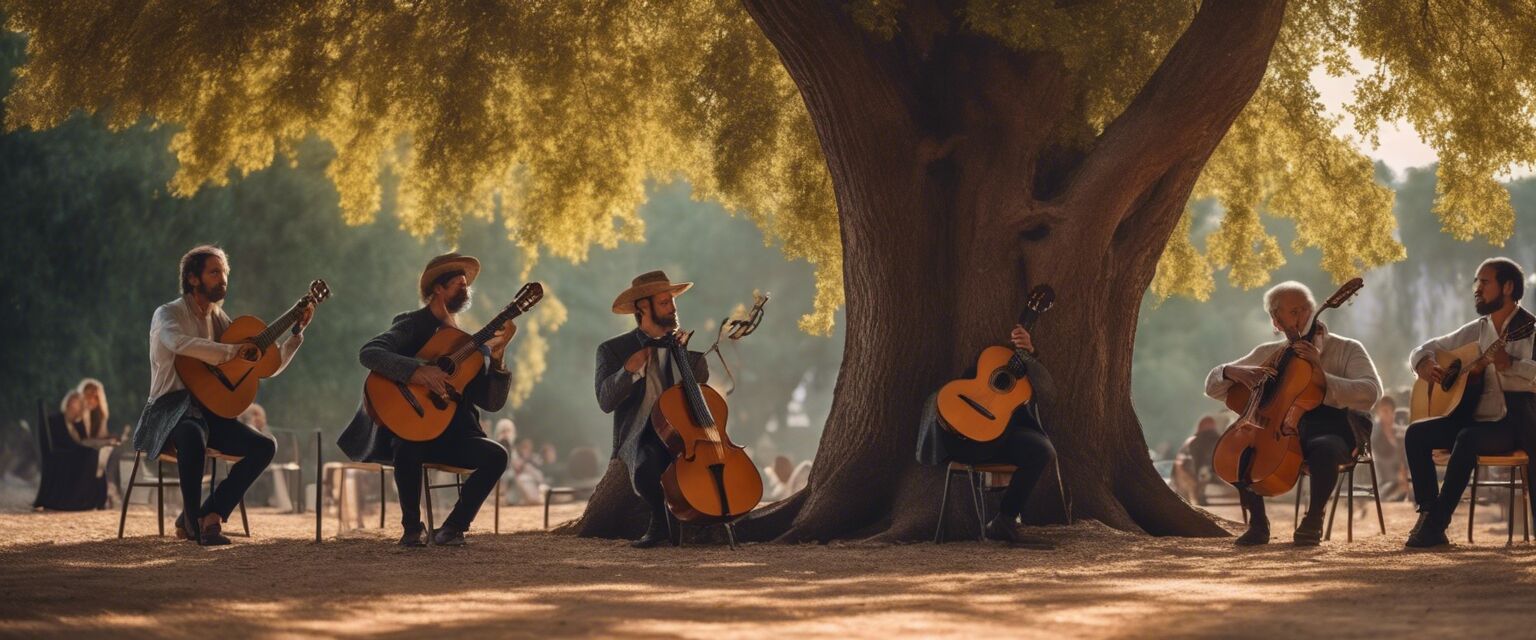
[712, 479]
[1262, 448]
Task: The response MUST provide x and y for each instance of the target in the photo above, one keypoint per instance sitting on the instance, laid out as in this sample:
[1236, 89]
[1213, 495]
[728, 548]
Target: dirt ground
[66, 575]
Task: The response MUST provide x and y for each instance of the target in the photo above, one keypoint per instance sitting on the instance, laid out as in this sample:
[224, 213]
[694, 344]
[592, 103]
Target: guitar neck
[265, 339]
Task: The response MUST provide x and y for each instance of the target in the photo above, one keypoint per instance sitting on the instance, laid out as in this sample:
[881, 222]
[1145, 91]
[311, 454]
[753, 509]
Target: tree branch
[1186, 107]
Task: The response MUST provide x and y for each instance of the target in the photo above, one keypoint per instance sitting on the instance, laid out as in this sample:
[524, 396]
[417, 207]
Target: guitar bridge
[977, 406]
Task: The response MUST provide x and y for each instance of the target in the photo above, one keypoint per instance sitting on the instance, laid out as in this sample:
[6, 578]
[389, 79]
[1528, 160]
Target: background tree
[971, 149]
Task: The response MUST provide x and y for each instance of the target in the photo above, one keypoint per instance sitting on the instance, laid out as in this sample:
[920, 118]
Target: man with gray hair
[1329, 433]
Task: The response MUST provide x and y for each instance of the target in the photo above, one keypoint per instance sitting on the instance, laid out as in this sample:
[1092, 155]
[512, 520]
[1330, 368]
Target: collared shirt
[654, 373]
[1516, 378]
[1351, 380]
[178, 329]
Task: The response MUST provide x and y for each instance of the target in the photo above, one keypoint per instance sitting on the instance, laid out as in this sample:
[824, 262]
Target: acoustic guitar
[229, 389]
[1262, 448]
[413, 412]
[1458, 389]
[712, 479]
[979, 408]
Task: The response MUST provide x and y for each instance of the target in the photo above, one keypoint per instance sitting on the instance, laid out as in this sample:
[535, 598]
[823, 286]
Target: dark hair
[193, 262]
[1506, 271]
[439, 281]
[650, 299]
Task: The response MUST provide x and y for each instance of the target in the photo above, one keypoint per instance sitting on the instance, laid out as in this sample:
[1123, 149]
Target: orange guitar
[413, 412]
[229, 389]
[979, 408]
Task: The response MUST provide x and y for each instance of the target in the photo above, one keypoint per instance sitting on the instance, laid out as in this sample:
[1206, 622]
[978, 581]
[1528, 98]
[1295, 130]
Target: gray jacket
[620, 394]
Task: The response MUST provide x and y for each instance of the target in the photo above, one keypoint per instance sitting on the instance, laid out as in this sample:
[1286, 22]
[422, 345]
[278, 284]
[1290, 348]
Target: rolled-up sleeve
[165, 329]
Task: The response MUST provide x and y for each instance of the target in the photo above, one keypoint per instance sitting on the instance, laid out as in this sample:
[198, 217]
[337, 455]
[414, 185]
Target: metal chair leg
[1349, 522]
[1376, 493]
[496, 509]
[160, 496]
[1472, 507]
[245, 522]
[383, 489]
[938, 532]
[319, 485]
[133, 477]
[341, 501]
[1333, 508]
[1509, 538]
[1296, 515]
[426, 488]
[1525, 502]
[981, 524]
[730, 535]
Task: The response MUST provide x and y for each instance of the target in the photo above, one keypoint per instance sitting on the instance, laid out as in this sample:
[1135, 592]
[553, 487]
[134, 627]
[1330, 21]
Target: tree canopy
[564, 111]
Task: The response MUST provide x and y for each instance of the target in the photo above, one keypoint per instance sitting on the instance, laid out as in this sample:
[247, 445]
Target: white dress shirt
[1516, 378]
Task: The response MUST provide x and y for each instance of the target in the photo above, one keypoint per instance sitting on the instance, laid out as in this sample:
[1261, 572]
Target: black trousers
[1023, 444]
[485, 456]
[1467, 439]
[654, 459]
[193, 436]
[1326, 442]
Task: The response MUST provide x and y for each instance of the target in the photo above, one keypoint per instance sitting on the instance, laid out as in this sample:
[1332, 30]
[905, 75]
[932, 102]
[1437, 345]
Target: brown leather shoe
[184, 531]
[211, 534]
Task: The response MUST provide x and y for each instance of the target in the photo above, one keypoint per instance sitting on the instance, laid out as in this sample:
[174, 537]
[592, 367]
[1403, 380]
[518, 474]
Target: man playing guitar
[1023, 444]
[1328, 433]
[174, 422]
[1489, 423]
[631, 374]
[445, 289]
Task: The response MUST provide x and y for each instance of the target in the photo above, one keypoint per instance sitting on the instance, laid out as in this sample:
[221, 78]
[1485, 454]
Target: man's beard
[667, 322]
[1486, 307]
[459, 302]
[213, 294]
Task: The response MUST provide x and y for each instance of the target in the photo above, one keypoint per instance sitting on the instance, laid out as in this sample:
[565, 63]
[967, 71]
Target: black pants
[654, 459]
[1023, 444]
[1326, 442]
[485, 456]
[227, 436]
[1467, 439]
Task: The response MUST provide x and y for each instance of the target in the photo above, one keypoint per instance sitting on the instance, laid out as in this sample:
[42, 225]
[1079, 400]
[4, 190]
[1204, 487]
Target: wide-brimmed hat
[646, 285]
[444, 264]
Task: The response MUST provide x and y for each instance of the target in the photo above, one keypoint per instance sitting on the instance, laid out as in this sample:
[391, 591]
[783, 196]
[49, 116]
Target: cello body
[712, 479]
[1269, 432]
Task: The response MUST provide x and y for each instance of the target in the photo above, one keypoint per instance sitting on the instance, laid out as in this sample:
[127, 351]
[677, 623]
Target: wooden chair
[1362, 456]
[459, 474]
[287, 465]
[159, 482]
[1519, 481]
[340, 469]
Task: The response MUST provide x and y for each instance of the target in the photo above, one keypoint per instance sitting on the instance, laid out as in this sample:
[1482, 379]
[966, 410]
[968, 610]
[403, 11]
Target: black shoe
[1256, 534]
[447, 536]
[1430, 534]
[1419, 526]
[1310, 533]
[211, 536]
[655, 534]
[1013, 533]
[414, 537]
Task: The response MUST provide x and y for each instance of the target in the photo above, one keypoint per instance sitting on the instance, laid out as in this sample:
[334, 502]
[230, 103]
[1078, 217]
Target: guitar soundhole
[1451, 373]
[1001, 380]
[446, 364]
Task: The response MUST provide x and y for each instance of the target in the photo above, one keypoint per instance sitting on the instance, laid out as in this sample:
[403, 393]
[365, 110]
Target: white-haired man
[1329, 433]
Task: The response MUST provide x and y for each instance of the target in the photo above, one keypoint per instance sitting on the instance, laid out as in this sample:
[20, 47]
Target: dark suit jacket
[620, 394]
[392, 354]
[932, 436]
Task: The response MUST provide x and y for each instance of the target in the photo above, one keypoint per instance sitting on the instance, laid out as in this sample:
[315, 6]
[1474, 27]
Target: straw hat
[646, 285]
[444, 264]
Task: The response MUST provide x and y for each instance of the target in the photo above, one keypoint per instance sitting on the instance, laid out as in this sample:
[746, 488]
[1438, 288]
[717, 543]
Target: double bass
[712, 479]
[1262, 448]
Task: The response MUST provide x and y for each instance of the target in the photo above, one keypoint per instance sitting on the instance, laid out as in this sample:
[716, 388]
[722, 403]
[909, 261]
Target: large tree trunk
[957, 194]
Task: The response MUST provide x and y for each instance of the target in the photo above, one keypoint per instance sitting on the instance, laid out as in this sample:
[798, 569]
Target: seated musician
[1024, 444]
[173, 422]
[445, 289]
[1490, 423]
[1331, 432]
[631, 374]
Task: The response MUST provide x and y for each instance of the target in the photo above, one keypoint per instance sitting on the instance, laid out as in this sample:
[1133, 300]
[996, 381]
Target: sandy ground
[67, 575]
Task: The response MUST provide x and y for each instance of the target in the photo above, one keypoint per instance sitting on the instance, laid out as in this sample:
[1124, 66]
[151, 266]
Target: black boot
[211, 534]
[1310, 532]
[184, 528]
[414, 536]
[655, 534]
[448, 536]
[1010, 531]
[1430, 533]
[1257, 534]
[1419, 526]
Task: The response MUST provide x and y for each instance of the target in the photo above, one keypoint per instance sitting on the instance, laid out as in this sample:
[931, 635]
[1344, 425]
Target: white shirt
[177, 329]
[1351, 380]
[1517, 378]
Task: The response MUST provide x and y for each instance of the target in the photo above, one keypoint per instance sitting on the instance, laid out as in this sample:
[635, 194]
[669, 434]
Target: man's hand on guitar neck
[1021, 338]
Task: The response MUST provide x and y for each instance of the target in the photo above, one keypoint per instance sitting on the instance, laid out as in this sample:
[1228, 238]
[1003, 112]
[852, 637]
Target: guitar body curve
[1437, 400]
[228, 389]
[412, 412]
[980, 408]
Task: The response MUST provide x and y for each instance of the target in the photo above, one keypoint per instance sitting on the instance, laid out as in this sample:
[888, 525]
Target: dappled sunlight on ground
[67, 575]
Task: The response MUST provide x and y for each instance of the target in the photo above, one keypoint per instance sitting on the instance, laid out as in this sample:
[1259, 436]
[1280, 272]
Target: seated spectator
[72, 478]
[776, 479]
[550, 465]
[1192, 464]
[527, 477]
